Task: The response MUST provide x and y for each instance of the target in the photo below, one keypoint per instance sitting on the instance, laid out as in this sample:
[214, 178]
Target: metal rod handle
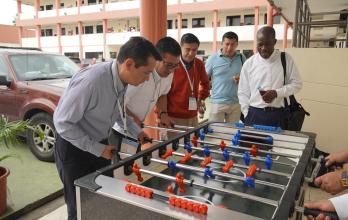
[246, 148]
[220, 190]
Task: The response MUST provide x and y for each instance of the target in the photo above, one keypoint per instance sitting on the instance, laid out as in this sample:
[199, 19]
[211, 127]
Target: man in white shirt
[261, 90]
[333, 182]
[141, 99]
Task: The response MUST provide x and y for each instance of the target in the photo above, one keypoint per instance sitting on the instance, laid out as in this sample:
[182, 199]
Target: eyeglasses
[170, 65]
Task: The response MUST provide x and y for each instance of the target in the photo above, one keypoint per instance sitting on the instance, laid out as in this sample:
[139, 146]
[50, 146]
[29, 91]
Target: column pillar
[20, 35]
[59, 36]
[19, 8]
[37, 8]
[179, 18]
[256, 27]
[103, 2]
[285, 36]
[215, 25]
[38, 35]
[78, 6]
[269, 15]
[80, 40]
[153, 26]
[57, 3]
[105, 27]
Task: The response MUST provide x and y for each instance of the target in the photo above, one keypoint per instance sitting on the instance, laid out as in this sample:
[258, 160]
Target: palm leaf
[10, 130]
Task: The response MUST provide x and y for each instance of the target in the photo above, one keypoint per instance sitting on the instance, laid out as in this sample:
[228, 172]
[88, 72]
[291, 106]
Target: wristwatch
[344, 179]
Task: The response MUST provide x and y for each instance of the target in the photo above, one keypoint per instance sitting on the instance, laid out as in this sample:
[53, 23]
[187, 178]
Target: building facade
[97, 28]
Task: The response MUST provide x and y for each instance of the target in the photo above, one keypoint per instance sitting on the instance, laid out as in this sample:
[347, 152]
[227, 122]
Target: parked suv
[31, 83]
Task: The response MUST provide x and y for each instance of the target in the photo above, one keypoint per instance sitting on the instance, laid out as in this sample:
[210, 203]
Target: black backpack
[294, 113]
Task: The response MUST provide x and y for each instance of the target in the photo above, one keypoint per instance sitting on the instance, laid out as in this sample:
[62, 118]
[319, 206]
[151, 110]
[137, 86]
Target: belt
[269, 109]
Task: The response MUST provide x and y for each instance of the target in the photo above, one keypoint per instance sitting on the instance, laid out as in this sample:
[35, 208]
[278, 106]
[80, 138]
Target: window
[169, 24]
[233, 20]
[49, 7]
[62, 5]
[90, 55]
[88, 29]
[77, 30]
[72, 54]
[198, 22]
[200, 52]
[248, 53]
[49, 32]
[99, 28]
[46, 32]
[183, 23]
[92, 2]
[3, 69]
[249, 19]
[42, 65]
[113, 55]
[42, 8]
[63, 31]
[276, 19]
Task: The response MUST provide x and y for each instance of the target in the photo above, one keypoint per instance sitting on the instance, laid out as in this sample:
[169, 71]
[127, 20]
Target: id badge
[192, 103]
[129, 147]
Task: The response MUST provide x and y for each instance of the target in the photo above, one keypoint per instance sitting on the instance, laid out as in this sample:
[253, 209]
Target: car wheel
[42, 148]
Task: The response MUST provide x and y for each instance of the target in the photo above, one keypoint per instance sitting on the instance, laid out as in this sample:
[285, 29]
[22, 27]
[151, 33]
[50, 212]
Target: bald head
[266, 41]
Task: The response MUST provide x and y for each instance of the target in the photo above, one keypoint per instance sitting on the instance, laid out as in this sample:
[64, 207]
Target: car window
[30, 67]
[3, 68]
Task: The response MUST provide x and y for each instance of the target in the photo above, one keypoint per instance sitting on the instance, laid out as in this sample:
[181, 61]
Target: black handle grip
[316, 212]
[331, 167]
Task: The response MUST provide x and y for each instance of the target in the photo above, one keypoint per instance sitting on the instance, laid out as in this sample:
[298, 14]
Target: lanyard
[120, 109]
[188, 76]
[123, 113]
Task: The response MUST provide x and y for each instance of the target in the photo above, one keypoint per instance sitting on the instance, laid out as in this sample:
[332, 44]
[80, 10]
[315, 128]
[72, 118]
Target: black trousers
[258, 116]
[73, 163]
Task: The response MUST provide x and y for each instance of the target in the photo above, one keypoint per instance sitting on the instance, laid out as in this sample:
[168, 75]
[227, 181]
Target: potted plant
[9, 132]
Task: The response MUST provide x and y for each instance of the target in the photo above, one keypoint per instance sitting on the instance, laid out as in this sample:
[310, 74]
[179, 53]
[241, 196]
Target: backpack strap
[283, 59]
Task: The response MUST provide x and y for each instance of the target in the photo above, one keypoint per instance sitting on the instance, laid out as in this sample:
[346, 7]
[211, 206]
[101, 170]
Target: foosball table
[214, 171]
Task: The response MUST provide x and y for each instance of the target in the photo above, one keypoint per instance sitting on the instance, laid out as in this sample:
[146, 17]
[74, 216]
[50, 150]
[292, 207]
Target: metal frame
[283, 208]
[303, 24]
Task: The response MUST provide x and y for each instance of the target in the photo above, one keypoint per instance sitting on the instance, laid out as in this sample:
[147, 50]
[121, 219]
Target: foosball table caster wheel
[175, 145]
[127, 168]
[162, 151]
[147, 159]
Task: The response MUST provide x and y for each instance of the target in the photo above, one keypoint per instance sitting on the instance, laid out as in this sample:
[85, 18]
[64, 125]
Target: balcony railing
[68, 11]
[245, 33]
[91, 8]
[48, 13]
[122, 5]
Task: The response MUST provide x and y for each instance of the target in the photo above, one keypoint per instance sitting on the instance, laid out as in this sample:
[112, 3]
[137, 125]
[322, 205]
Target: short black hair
[139, 49]
[168, 45]
[230, 35]
[268, 31]
[189, 39]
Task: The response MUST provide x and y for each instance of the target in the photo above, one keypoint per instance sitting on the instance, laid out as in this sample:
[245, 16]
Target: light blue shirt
[222, 69]
[88, 108]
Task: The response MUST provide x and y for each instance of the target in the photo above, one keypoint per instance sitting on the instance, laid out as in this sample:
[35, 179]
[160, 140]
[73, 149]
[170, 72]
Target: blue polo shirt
[221, 69]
